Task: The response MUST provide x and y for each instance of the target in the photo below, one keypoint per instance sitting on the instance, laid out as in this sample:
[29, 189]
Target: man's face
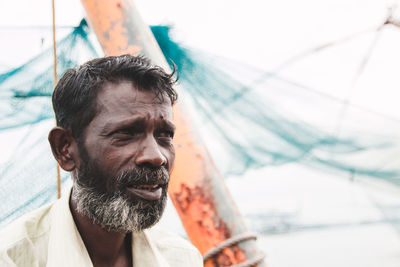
[126, 154]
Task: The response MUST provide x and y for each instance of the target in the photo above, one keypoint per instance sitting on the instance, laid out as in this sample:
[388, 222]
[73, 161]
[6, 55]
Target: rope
[232, 241]
[55, 82]
[257, 259]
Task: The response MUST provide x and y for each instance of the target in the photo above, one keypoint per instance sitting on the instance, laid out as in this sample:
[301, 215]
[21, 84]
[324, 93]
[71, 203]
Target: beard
[104, 201]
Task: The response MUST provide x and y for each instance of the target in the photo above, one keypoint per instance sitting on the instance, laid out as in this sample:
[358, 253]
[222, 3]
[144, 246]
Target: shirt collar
[145, 251]
[66, 247]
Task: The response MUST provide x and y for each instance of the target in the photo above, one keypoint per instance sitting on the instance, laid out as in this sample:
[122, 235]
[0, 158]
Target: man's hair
[74, 98]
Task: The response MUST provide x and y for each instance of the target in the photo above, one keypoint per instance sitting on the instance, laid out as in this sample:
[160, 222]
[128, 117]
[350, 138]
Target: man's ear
[64, 148]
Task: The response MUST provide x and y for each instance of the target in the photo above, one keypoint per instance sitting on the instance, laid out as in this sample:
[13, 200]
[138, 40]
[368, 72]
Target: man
[114, 134]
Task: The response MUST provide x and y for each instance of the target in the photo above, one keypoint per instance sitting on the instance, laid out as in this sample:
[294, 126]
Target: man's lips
[148, 192]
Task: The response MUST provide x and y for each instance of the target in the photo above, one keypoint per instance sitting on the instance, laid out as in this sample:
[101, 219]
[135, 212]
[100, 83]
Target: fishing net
[247, 117]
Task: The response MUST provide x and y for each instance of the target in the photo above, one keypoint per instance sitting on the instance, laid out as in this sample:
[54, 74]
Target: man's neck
[105, 248]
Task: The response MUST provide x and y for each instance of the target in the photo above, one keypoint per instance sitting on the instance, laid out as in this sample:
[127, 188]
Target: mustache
[143, 176]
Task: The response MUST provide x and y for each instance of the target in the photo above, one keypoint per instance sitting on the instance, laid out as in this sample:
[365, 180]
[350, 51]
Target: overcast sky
[261, 33]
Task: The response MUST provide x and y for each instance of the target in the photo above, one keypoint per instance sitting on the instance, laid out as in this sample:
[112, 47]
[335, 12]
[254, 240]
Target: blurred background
[297, 102]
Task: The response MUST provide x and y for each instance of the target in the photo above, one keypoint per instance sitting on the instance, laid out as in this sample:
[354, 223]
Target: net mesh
[247, 117]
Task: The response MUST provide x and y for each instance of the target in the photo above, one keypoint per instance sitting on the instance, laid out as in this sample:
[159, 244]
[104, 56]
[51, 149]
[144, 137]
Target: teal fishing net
[28, 174]
[247, 117]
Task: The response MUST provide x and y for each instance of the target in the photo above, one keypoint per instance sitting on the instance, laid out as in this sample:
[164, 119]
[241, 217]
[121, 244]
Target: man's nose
[150, 153]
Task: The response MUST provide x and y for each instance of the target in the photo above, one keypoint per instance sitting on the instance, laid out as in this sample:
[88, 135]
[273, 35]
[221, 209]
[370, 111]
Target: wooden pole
[55, 82]
[197, 190]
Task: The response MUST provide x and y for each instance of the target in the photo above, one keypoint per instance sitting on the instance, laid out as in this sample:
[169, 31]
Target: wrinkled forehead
[124, 98]
[133, 93]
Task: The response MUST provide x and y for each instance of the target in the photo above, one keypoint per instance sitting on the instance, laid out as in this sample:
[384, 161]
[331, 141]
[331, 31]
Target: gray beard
[116, 212]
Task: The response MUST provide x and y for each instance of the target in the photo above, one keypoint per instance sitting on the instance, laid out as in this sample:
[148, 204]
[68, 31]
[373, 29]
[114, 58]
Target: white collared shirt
[49, 237]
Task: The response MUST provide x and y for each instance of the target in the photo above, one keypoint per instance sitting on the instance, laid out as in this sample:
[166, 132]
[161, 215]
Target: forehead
[124, 99]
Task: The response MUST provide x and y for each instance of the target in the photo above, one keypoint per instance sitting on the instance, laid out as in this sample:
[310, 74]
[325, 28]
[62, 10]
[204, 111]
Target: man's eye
[125, 132]
[167, 134]
[121, 132]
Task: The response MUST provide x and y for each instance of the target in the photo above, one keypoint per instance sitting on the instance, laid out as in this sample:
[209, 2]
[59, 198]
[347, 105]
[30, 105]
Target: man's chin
[140, 216]
[119, 213]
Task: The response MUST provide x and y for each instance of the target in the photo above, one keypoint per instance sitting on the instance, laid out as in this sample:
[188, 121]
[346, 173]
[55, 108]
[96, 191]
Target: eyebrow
[112, 126]
[168, 125]
[109, 127]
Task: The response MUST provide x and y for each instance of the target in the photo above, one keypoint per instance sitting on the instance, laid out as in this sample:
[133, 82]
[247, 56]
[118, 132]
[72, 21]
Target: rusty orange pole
[197, 190]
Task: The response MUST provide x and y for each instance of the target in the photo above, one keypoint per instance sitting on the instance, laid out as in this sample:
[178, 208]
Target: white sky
[261, 33]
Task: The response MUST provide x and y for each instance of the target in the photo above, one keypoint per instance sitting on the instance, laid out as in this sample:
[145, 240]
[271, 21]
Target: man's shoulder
[176, 249]
[163, 237]
[25, 234]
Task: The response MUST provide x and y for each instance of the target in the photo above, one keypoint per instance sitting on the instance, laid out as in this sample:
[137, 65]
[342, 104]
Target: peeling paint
[199, 206]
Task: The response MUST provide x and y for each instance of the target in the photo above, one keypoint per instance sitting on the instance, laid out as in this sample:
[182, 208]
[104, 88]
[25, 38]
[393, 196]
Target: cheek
[170, 155]
[119, 158]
